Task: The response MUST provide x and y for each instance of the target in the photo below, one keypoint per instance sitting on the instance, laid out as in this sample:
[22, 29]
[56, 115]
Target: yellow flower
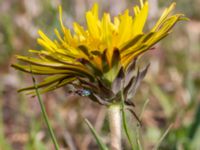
[94, 58]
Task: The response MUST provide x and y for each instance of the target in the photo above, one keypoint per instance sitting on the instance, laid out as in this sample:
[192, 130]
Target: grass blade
[101, 145]
[143, 108]
[124, 121]
[53, 138]
[162, 137]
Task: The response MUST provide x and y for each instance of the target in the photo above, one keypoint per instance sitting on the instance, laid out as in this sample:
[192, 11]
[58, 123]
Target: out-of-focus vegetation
[172, 85]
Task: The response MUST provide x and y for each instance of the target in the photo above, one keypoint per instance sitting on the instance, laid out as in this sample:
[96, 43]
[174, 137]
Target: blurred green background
[171, 86]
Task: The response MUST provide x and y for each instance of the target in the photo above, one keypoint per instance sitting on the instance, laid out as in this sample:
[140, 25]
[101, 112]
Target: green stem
[114, 117]
[101, 145]
[45, 116]
[124, 121]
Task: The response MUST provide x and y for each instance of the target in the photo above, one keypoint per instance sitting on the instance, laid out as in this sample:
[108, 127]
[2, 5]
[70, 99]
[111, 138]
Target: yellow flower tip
[18, 56]
[56, 30]
[184, 18]
[95, 8]
[60, 17]
[181, 16]
[172, 7]
[146, 4]
[141, 3]
[60, 9]
[173, 4]
[32, 51]
[39, 41]
[41, 33]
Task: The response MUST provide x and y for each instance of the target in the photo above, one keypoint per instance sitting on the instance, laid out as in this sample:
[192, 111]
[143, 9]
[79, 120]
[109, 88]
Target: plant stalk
[114, 117]
[44, 113]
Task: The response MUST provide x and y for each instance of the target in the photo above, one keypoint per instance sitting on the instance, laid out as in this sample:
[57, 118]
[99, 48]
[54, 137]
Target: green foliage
[101, 145]
[34, 143]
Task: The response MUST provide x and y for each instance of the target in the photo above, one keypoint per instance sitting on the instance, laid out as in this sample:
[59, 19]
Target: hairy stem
[114, 117]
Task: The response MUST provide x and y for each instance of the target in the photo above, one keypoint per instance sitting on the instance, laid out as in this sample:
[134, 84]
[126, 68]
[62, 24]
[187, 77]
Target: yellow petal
[140, 19]
[93, 22]
[60, 17]
[106, 30]
[164, 16]
[95, 10]
[125, 27]
[79, 30]
[46, 40]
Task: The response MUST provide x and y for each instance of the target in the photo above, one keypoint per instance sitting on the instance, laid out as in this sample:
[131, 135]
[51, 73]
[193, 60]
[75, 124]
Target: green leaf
[101, 145]
[196, 123]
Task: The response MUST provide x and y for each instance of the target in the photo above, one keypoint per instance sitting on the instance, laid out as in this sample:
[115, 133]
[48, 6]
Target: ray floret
[100, 57]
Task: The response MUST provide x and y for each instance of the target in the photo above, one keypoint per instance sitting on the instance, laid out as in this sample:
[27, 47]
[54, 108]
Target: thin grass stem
[53, 138]
[101, 145]
[124, 121]
[162, 137]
